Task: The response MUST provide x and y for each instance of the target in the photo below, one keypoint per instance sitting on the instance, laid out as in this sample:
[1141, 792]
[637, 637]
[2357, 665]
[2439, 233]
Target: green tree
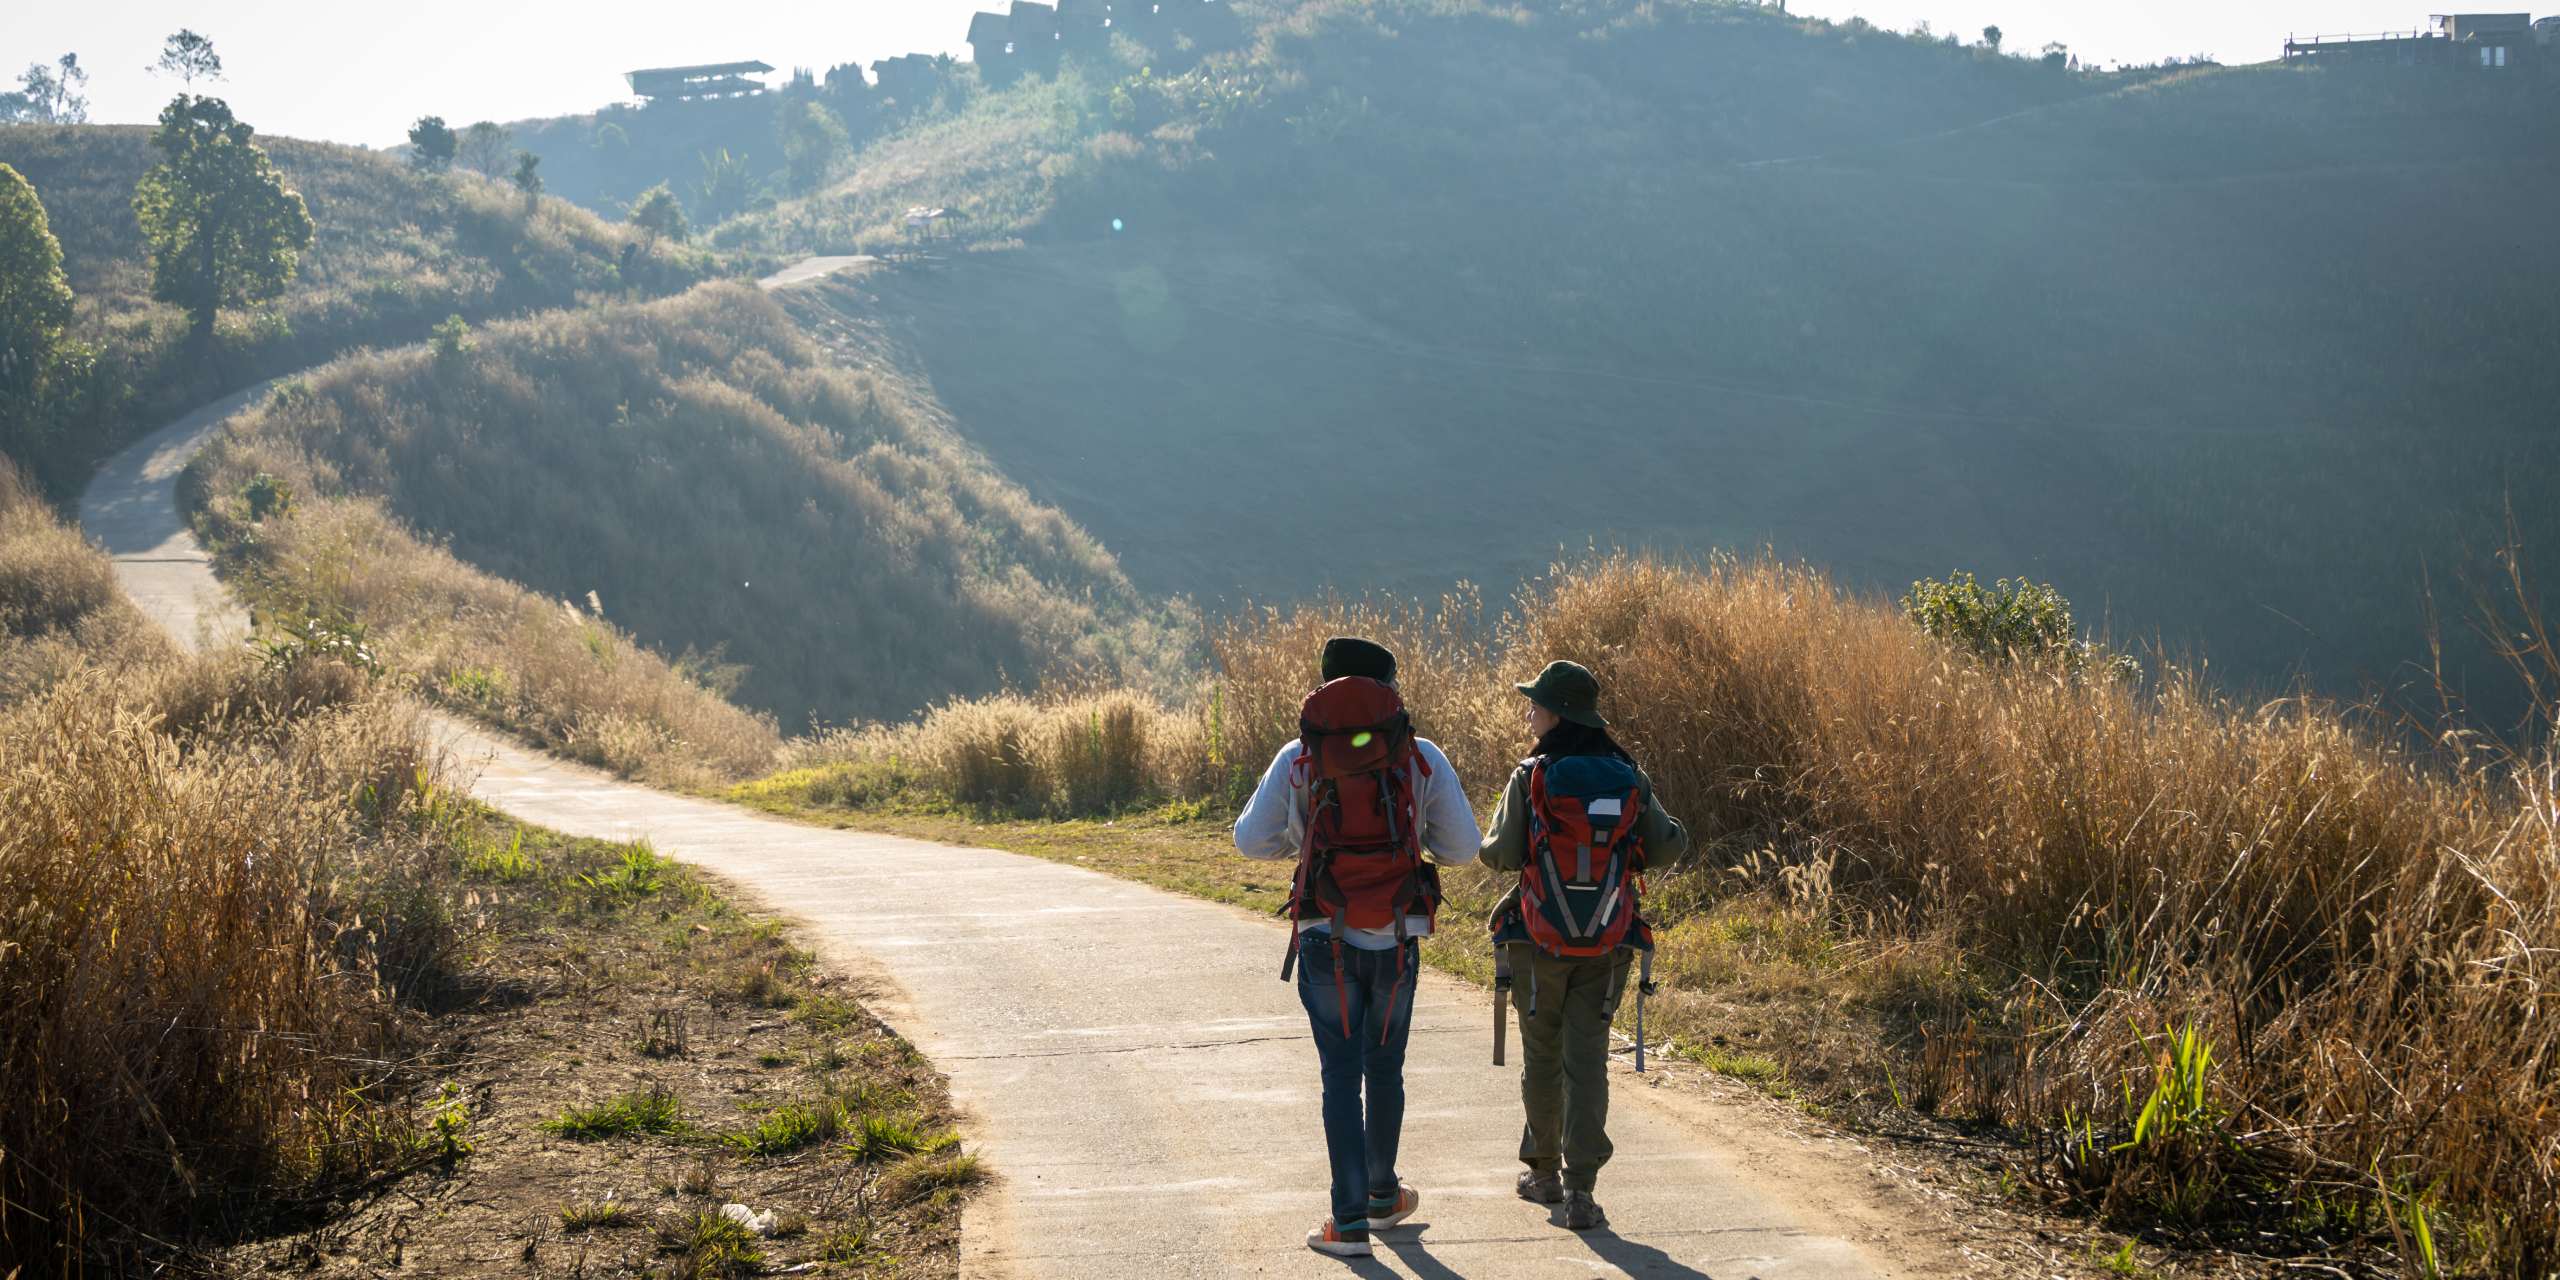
[431, 143]
[223, 228]
[1991, 37]
[189, 57]
[658, 215]
[814, 143]
[48, 94]
[527, 177]
[483, 148]
[726, 186]
[35, 302]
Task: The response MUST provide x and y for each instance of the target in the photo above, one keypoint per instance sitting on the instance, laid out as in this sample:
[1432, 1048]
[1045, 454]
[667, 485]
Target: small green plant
[709, 1245]
[791, 1127]
[267, 496]
[579, 1216]
[452, 338]
[877, 1137]
[653, 1110]
[851, 1245]
[303, 639]
[636, 876]
[509, 864]
[449, 1124]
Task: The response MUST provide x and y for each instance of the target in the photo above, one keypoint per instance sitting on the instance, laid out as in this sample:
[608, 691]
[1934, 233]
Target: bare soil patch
[628, 1056]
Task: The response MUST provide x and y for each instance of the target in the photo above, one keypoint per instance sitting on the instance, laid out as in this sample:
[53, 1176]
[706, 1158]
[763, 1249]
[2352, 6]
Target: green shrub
[2013, 620]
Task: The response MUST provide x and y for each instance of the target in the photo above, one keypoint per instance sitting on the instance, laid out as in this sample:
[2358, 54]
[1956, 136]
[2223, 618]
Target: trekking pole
[1501, 1000]
[1644, 987]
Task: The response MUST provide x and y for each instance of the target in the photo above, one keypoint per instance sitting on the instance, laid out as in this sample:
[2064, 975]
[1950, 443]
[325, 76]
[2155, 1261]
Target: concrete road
[1128, 1059]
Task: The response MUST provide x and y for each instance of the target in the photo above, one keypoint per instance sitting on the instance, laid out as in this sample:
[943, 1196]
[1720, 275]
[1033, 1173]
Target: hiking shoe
[1342, 1242]
[1540, 1188]
[1582, 1213]
[1387, 1213]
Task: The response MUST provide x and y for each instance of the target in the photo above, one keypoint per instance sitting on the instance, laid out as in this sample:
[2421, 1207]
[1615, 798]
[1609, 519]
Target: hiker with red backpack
[1359, 800]
[1579, 822]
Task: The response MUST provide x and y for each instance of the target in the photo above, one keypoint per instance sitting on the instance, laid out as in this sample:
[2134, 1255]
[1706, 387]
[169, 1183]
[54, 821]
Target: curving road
[1127, 1058]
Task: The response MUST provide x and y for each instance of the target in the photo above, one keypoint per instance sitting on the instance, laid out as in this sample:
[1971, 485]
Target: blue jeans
[1376, 999]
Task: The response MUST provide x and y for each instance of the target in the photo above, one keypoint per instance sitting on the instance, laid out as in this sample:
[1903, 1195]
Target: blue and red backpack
[1582, 884]
[1361, 865]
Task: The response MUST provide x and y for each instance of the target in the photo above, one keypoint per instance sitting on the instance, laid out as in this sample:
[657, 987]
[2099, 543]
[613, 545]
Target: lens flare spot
[1115, 224]
[1360, 739]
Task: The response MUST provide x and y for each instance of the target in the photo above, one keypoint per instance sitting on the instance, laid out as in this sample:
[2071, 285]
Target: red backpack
[1361, 866]
[1585, 869]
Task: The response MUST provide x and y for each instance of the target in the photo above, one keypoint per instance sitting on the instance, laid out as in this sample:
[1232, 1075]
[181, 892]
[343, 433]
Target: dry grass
[60, 608]
[219, 884]
[2040, 885]
[697, 467]
[550, 670]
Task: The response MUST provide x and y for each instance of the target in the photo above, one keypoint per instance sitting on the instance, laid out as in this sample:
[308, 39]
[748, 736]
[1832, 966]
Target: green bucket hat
[1568, 689]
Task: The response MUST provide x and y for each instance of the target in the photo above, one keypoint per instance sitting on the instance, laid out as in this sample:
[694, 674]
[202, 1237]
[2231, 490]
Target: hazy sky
[360, 70]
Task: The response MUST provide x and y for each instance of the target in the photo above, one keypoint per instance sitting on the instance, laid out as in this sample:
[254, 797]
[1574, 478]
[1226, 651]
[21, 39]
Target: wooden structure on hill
[2466, 41]
[909, 78]
[710, 80]
[1030, 35]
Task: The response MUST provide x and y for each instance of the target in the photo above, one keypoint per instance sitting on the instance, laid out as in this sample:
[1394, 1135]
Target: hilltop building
[1029, 36]
[2468, 41]
[909, 78]
[711, 80]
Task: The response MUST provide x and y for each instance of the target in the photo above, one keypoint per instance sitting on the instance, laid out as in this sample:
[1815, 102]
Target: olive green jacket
[1666, 840]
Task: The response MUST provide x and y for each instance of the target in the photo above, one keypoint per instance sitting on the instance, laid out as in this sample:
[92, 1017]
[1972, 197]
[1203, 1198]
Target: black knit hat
[1352, 656]
[1570, 690]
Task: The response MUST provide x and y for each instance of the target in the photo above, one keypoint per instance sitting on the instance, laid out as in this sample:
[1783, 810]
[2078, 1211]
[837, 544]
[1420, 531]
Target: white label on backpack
[1607, 808]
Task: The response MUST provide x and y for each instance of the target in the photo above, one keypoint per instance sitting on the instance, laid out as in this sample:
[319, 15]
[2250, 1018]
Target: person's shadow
[1639, 1260]
[1642, 1261]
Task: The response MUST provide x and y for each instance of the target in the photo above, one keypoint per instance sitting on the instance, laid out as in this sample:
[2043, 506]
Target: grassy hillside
[818, 539]
[2237, 357]
[394, 251]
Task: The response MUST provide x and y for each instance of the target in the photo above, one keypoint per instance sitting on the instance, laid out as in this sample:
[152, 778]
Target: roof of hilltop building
[707, 80]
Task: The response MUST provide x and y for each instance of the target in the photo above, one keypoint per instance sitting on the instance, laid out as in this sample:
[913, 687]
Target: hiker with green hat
[1579, 822]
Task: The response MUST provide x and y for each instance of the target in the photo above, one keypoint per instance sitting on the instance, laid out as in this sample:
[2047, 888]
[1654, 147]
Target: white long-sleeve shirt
[1274, 826]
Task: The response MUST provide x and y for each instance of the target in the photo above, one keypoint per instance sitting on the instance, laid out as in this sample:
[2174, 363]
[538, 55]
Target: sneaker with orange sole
[1341, 1241]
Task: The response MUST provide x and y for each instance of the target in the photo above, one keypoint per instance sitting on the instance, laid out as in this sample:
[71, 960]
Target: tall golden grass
[551, 670]
[215, 896]
[2360, 938]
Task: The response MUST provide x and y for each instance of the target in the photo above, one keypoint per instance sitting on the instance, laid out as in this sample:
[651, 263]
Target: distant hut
[909, 78]
[1035, 33]
[990, 38]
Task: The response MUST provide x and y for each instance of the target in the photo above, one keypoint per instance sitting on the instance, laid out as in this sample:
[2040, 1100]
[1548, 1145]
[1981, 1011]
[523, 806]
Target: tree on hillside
[658, 215]
[814, 144]
[726, 186]
[223, 228]
[1991, 38]
[48, 94]
[35, 302]
[526, 177]
[483, 148]
[431, 143]
[189, 57]
[2057, 55]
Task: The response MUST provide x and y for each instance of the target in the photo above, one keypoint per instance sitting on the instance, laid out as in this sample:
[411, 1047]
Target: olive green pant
[1564, 1059]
